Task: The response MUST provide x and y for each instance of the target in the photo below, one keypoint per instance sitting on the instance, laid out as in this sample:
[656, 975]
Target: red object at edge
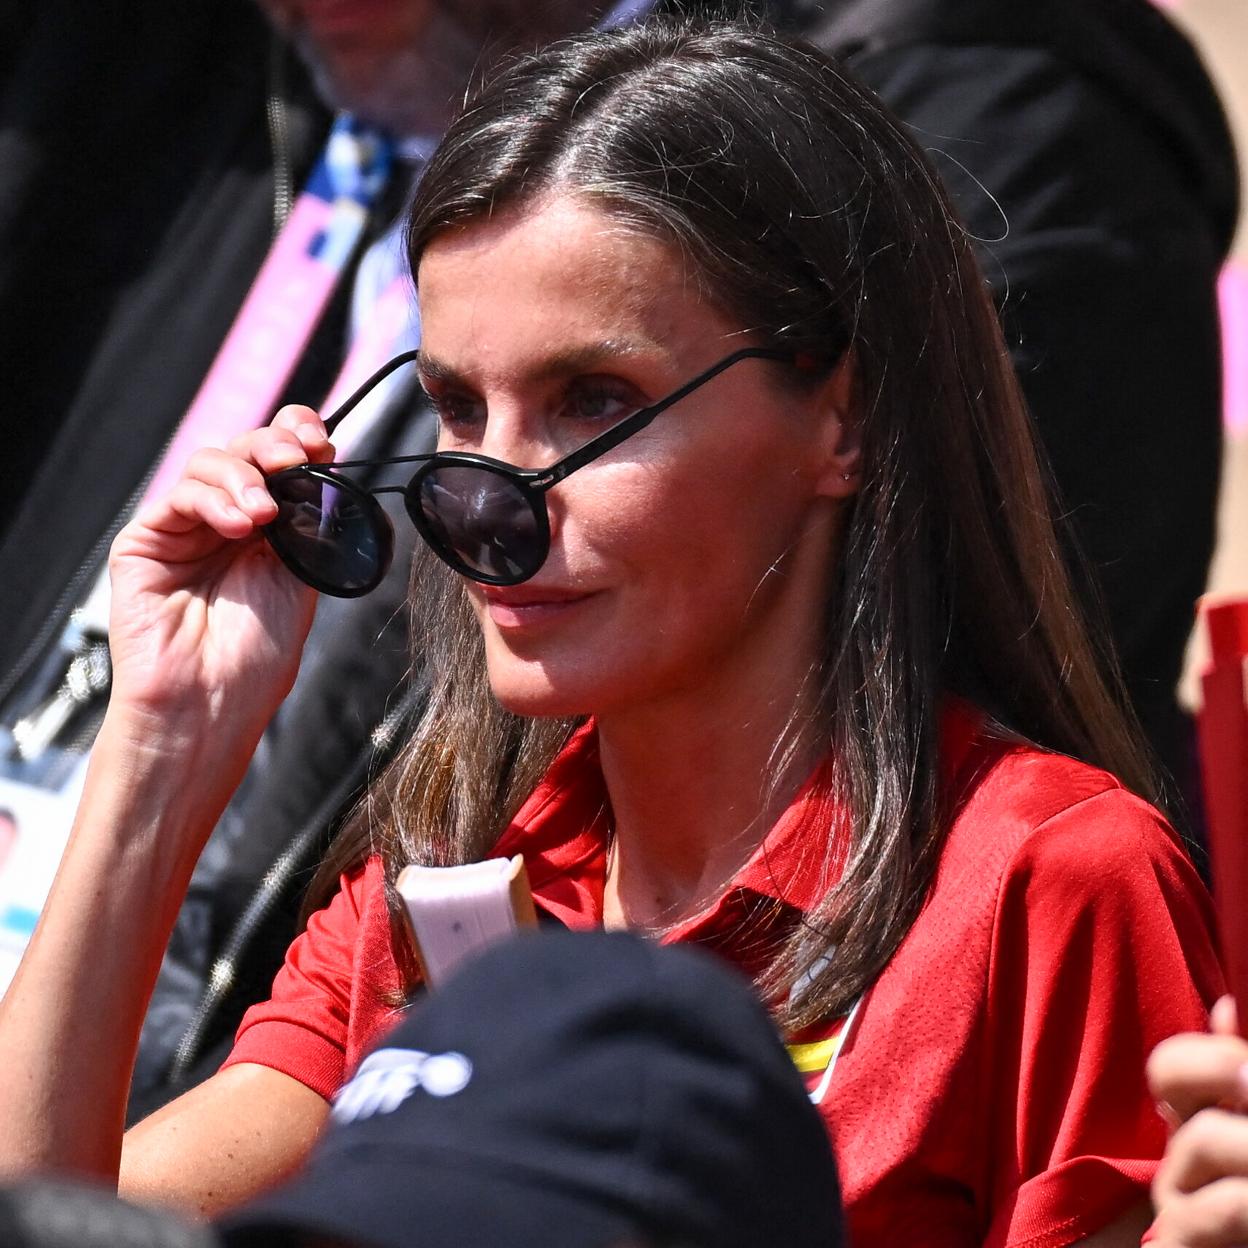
[1222, 729]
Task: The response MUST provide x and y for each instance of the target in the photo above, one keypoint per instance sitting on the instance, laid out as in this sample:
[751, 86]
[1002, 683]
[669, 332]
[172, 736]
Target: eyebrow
[561, 364]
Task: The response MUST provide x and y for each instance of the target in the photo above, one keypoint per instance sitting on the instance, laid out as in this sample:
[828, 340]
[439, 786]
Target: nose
[515, 436]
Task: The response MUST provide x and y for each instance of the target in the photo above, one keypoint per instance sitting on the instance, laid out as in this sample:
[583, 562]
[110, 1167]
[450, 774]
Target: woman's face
[700, 550]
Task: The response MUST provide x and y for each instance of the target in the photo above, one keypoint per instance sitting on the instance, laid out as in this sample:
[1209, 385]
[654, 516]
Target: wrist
[221, 732]
[158, 783]
[155, 733]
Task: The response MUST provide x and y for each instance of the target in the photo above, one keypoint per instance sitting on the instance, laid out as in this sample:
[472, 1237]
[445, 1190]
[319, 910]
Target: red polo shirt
[990, 1090]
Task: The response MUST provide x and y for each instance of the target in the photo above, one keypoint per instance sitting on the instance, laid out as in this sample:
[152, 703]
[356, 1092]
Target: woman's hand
[207, 624]
[206, 630]
[1201, 1086]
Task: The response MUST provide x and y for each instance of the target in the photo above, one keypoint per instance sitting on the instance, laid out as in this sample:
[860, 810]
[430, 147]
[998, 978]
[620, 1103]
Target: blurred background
[1220, 29]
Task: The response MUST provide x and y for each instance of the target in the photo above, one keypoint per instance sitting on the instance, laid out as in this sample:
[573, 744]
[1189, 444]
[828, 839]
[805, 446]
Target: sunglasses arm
[406, 357]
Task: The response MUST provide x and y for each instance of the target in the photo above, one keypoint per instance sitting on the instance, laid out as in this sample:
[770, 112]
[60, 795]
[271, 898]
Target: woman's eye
[601, 402]
[457, 411]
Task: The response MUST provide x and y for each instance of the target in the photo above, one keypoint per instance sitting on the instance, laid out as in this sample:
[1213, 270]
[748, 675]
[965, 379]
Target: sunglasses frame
[531, 483]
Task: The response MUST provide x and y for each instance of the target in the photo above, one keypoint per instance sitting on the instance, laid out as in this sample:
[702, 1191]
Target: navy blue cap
[570, 1090]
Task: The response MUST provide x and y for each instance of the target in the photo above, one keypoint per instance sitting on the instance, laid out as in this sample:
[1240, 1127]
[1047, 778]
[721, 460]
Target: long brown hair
[811, 217]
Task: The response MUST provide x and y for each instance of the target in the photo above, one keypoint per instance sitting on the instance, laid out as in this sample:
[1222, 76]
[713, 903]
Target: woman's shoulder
[1013, 795]
[1065, 934]
[1031, 821]
[1052, 866]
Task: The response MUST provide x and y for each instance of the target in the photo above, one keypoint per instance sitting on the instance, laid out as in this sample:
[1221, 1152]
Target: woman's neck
[694, 789]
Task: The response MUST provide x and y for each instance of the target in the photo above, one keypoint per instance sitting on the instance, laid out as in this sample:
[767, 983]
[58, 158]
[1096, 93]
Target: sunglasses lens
[334, 537]
[481, 523]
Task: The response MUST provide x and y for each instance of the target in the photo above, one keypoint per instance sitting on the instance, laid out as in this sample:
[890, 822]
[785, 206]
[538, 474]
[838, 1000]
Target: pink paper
[1233, 300]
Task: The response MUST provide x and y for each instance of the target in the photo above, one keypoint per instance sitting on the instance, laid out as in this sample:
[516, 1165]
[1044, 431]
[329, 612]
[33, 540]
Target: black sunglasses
[485, 518]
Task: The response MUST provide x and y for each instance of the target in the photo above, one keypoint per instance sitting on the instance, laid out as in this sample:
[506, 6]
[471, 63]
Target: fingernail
[256, 497]
[1166, 1112]
[310, 433]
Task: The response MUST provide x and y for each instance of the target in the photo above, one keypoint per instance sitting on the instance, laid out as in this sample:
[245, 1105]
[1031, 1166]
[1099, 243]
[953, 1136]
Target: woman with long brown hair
[749, 629]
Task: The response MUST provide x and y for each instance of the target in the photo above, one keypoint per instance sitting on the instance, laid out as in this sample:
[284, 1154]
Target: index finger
[309, 428]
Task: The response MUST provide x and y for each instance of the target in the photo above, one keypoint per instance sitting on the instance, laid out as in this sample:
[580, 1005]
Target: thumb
[1224, 1017]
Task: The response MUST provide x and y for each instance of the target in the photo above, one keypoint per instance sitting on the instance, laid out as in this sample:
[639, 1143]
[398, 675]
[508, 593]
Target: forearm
[69, 1024]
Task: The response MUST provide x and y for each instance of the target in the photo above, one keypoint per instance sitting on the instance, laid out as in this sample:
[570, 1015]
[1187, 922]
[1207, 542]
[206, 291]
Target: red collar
[561, 831]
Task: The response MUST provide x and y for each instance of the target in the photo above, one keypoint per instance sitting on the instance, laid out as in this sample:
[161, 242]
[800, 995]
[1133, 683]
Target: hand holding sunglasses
[196, 613]
[484, 518]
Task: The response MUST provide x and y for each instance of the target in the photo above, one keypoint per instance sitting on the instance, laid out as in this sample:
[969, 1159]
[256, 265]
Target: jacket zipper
[277, 113]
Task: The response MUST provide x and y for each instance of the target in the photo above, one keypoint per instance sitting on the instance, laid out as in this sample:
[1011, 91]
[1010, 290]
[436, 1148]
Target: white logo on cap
[388, 1077]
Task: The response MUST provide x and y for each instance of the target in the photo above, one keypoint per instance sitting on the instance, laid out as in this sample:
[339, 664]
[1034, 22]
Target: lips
[525, 606]
[530, 595]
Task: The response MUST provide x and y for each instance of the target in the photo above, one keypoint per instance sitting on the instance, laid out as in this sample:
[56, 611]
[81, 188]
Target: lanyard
[286, 300]
[820, 1057]
[384, 321]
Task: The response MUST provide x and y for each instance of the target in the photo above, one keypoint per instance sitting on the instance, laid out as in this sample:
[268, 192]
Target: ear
[836, 406]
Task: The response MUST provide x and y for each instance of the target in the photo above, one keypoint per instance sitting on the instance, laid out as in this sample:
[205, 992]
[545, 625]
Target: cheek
[680, 552]
[611, 515]
[688, 538]
[634, 523]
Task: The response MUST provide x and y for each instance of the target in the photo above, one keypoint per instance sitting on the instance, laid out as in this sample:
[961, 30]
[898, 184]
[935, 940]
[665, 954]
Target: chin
[533, 679]
[538, 699]
[540, 689]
